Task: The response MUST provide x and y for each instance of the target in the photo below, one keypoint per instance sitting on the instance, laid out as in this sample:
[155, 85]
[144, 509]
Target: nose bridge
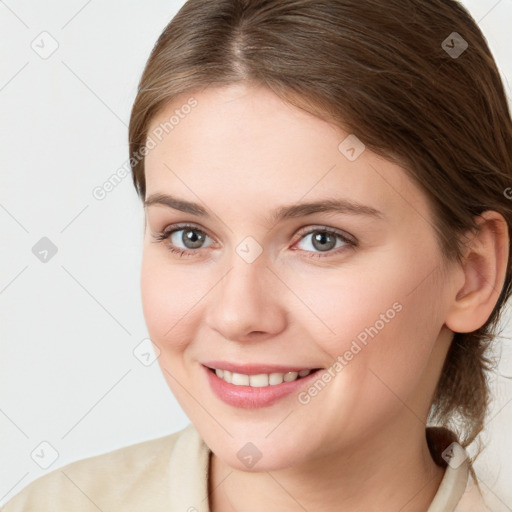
[244, 283]
[247, 271]
[245, 301]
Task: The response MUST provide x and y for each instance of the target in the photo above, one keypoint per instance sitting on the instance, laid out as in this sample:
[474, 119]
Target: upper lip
[255, 369]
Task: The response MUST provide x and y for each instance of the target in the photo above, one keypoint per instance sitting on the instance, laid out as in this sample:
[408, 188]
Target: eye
[185, 240]
[324, 240]
[187, 235]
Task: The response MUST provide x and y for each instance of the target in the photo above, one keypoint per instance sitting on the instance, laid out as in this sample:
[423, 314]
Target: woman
[326, 257]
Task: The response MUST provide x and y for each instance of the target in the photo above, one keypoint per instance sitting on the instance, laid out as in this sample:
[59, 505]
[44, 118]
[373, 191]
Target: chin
[258, 455]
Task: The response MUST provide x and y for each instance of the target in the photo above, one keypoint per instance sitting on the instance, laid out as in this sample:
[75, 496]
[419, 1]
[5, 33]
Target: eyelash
[162, 236]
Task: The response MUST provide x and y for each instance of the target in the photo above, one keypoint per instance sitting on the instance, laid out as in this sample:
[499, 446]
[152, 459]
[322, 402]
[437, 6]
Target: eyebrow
[344, 206]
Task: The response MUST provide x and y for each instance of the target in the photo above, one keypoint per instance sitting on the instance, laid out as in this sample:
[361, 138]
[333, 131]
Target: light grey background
[69, 327]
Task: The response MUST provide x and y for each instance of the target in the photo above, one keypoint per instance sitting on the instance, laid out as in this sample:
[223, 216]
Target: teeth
[259, 381]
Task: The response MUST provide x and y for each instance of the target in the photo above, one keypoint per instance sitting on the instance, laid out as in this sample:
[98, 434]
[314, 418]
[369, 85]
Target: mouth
[255, 390]
[261, 379]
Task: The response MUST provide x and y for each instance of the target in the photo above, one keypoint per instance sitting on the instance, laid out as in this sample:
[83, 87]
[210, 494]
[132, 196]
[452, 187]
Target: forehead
[242, 145]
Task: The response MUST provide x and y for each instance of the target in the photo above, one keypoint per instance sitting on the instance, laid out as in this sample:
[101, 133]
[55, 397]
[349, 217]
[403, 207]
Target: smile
[260, 380]
[257, 389]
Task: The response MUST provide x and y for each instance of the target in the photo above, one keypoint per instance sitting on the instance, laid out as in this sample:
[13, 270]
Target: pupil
[195, 239]
[322, 237]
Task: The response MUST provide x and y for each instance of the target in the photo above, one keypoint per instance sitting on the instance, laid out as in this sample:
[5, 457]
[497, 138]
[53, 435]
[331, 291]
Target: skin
[360, 443]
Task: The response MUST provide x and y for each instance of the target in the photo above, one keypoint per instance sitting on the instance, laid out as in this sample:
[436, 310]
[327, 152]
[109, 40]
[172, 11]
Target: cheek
[385, 319]
[169, 294]
[386, 324]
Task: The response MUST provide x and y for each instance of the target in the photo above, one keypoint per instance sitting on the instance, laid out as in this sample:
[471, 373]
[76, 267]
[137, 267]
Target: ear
[482, 274]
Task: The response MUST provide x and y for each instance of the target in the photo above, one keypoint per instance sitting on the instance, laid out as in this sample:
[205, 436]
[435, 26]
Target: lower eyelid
[335, 251]
[186, 249]
[340, 236]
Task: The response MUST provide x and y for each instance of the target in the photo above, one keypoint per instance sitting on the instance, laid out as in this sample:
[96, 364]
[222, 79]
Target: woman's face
[365, 302]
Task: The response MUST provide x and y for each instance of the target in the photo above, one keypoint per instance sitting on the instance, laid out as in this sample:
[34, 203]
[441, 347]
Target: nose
[248, 303]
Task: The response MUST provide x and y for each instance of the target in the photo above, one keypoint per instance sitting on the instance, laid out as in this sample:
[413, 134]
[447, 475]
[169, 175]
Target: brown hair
[383, 71]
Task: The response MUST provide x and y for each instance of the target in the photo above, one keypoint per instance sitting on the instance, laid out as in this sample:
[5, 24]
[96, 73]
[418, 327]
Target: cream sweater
[170, 474]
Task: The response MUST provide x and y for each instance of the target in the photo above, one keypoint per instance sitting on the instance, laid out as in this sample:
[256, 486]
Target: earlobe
[484, 268]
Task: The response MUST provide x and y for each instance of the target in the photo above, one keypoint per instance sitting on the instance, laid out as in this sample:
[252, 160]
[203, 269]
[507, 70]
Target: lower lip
[248, 397]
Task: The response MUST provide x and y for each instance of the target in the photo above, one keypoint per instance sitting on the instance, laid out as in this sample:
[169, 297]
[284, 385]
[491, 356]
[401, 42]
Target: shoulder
[461, 489]
[122, 477]
[478, 498]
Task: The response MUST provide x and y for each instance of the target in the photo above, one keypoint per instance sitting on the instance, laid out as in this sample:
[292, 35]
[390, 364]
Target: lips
[252, 397]
[255, 369]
